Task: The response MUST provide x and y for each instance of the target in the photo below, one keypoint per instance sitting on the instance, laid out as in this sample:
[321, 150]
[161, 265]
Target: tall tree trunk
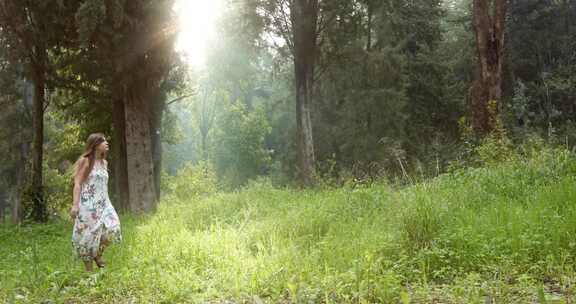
[204, 146]
[366, 75]
[16, 193]
[39, 212]
[206, 120]
[369, 13]
[159, 105]
[486, 91]
[3, 198]
[304, 17]
[119, 154]
[15, 198]
[142, 197]
[24, 148]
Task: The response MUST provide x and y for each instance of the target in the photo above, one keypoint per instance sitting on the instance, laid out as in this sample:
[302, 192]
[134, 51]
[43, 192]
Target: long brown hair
[90, 153]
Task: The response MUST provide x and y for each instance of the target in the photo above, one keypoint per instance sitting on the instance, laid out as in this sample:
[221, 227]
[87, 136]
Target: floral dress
[96, 218]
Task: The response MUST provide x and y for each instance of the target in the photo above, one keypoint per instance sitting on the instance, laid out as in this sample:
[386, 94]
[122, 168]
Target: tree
[489, 18]
[541, 81]
[31, 29]
[206, 107]
[238, 151]
[362, 101]
[174, 81]
[299, 23]
[14, 135]
[133, 43]
[304, 17]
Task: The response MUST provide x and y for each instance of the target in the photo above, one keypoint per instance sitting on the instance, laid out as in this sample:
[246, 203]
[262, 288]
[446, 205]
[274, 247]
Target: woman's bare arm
[83, 166]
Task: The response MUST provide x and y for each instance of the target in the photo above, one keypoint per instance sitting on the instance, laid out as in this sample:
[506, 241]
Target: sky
[197, 22]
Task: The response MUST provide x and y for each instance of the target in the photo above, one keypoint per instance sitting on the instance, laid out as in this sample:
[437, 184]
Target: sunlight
[197, 20]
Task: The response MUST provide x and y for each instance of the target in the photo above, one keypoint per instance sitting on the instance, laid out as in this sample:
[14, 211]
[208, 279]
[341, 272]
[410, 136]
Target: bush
[239, 152]
[57, 190]
[191, 181]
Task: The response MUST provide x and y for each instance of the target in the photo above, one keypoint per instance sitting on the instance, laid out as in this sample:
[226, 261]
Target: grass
[500, 234]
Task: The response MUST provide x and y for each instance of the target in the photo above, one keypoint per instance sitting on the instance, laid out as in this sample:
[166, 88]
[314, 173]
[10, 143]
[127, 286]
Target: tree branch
[180, 98]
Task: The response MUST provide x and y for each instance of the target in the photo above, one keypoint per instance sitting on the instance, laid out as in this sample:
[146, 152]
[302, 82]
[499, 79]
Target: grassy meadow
[502, 233]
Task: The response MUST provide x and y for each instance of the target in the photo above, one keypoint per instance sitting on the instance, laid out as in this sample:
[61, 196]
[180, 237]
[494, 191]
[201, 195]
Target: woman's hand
[74, 212]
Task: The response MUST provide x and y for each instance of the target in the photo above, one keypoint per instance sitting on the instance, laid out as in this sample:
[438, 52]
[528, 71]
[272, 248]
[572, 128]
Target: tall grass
[505, 233]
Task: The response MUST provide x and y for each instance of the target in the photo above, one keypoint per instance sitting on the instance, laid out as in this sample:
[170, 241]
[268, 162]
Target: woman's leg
[98, 258]
[88, 266]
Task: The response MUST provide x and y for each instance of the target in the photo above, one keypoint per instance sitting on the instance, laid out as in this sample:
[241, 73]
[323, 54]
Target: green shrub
[57, 190]
[239, 153]
[191, 181]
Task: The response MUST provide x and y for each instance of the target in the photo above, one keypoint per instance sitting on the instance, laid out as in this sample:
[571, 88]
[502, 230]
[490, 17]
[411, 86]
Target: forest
[293, 151]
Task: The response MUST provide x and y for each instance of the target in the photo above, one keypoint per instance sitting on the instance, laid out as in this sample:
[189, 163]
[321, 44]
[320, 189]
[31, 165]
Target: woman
[96, 223]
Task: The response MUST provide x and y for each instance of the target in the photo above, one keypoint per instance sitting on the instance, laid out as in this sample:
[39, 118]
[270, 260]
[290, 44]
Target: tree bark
[369, 13]
[3, 198]
[140, 168]
[119, 155]
[159, 105]
[204, 146]
[486, 91]
[15, 201]
[39, 212]
[16, 193]
[304, 17]
[207, 113]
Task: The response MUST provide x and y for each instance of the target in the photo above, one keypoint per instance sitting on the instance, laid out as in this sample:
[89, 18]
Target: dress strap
[99, 164]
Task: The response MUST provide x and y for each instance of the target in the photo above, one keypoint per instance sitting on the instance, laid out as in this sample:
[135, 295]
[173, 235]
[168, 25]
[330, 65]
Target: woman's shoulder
[82, 162]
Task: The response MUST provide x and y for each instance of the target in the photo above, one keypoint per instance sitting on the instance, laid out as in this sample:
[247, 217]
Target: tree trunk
[159, 105]
[304, 17]
[142, 196]
[486, 91]
[369, 12]
[3, 198]
[16, 193]
[15, 201]
[205, 122]
[39, 212]
[119, 154]
[204, 146]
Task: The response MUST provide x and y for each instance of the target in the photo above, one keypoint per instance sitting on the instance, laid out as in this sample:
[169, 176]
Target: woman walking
[96, 223]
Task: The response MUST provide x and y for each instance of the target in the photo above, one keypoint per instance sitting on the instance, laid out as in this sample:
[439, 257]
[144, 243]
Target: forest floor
[504, 233]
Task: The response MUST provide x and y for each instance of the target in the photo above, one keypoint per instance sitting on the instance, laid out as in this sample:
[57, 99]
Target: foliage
[541, 67]
[494, 149]
[63, 146]
[58, 190]
[239, 151]
[391, 81]
[502, 233]
[186, 149]
[64, 141]
[191, 181]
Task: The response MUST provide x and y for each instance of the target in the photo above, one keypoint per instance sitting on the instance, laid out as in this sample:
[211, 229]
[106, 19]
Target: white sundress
[96, 218]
